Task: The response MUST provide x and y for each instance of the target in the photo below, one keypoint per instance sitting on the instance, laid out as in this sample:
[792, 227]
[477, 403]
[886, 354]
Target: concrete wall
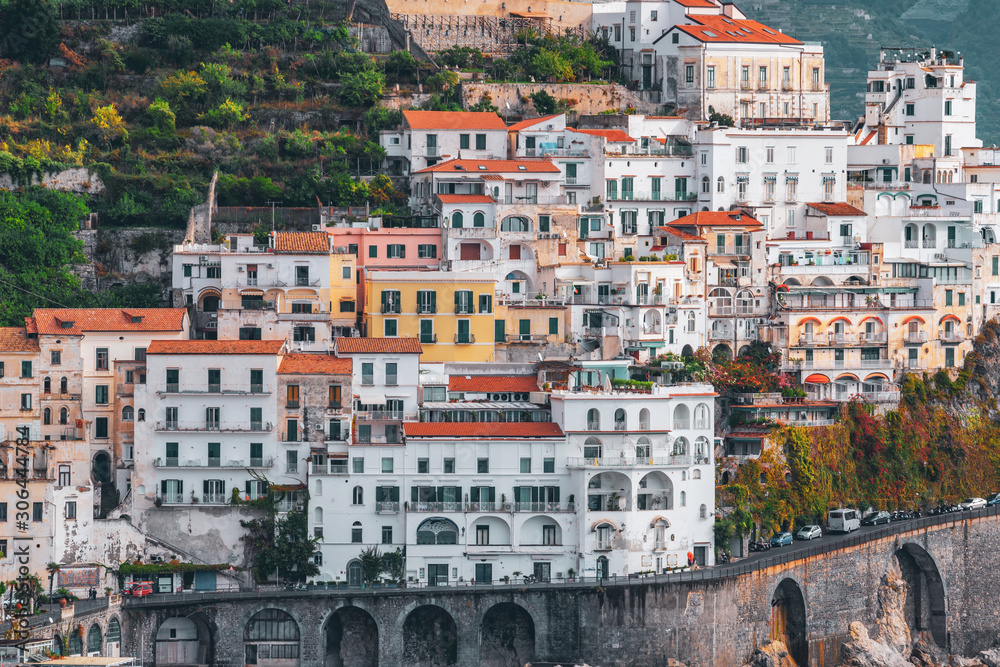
[688, 617]
[589, 98]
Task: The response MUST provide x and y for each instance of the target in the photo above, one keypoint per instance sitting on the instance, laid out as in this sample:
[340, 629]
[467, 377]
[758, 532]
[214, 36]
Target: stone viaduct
[710, 617]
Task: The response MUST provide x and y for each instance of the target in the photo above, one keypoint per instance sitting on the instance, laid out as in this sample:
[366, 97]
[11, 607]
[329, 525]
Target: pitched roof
[609, 135]
[492, 383]
[715, 28]
[302, 242]
[487, 166]
[69, 321]
[681, 234]
[466, 199]
[215, 347]
[696, 3]
[345, 345]
[490, 430]
[530, 122]
[15, 339]
[454, 120]
[314, 364]
[716, 219]
[839, 209]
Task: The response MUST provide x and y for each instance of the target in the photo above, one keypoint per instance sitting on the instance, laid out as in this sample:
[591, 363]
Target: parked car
[875, 518]
[973, 503]
[140, 589]
[809, 533]
[993, 499]
[781, 539]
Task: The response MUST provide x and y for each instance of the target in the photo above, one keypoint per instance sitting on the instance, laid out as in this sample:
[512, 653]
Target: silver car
[809, 533]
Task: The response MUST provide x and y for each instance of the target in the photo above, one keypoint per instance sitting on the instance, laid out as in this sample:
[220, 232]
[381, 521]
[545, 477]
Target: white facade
[428, 137]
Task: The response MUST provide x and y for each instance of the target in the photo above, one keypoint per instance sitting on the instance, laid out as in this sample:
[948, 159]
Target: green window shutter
[163, 486]
[553, 326]
[204, 486]
[385, 300]
[499, 333]
[433, 301]
[413, 494]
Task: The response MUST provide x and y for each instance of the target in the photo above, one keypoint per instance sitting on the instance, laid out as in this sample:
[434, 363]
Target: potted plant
[571, 574]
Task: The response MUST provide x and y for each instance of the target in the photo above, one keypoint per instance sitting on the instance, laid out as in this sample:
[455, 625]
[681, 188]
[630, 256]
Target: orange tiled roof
[610, 135]
[70, 321]
[491, 430]
[840, 209]
[503, 166]
[215, 347]
[454, 120]
[347, 345]
[302, 242]
[530, 122]
[15, 339]
[314, 364]
[716, 219]
[466, 199]
[717, 28]
[492, 383]
[696, 3]
[684, 236]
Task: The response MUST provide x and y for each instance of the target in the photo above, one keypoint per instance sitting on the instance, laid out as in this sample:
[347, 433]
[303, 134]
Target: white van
[843, 521]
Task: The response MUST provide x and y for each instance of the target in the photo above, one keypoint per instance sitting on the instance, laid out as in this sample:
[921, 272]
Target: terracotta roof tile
[70, 321]
[531, 122]
[466, 199]
[492, 383]
[610, 135]
[15, 339]
[302, 242]
[490, 430]
[346, 345]
[684, 236]
[215, 347]
[314, 364]
[716, 219]
[696, 3]
[715, 28]
[454, 120]
[839, 209]
[495, 166]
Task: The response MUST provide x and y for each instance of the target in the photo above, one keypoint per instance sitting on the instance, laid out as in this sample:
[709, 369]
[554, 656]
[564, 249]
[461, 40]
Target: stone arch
[788, 620]
[101, 468]
[687, 352]
[95, 640]
[722, 352]
[351, 636]
[506, 636]
[430, 637]
[276, 629]
[113, 638]
[183, 640]
[925, 607]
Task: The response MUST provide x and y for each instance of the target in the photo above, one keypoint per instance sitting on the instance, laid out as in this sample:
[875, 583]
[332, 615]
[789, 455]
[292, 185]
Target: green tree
[279, 544]
[371, 564]
[544, 103]
[549, 65]
[164, 120]
[363, 89]
[29, 31]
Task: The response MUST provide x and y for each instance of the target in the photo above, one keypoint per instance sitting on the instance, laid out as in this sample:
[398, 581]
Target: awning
[301, 294]
[590, 345]
[816, 378]
[251, 292]
[653, 343]
[847, 377]
[657, 519]
[914, 317]
[949, 316]
[371, 398]
[611, 523]
[722, 264]
[876, 376]
[337, 455]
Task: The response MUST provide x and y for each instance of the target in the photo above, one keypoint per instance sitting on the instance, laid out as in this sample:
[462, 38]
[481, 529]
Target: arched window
[478, 219]
[643, 448]
[318, 512]
[142, 414]
[701, 449]
[318, 487]
[456, 220]
[644, 419]
[128, 413]
[701, 416]
[621, 423]
[358, 497]
[682, 417]
[75, 643]
[680, 446]
[706, 185]
[696, 474]
[691, 321]
[47, 416]
[592, 448]
[63, 385]
[114, 635]
[275, 629]
[720, 185]
[684, 499]
[515, 223]
[437, 531]
[593, 419]
[745, 303]
[47, 385]
[63, 416]
[703, 511]
[94, 640]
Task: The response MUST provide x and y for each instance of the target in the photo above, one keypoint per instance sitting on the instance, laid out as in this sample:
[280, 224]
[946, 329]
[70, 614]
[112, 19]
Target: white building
[427, 137]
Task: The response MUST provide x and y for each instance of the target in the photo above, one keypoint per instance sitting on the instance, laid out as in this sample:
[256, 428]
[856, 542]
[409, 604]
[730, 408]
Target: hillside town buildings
[490, 384]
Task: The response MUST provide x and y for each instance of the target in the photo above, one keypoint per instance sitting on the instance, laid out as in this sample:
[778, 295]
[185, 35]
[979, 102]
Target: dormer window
[137, 319]
[482, 167]
[66, 324]
[521, 167]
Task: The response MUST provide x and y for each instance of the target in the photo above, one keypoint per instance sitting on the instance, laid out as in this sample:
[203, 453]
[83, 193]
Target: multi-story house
[210, 436]
[425, 138]
[450, 313]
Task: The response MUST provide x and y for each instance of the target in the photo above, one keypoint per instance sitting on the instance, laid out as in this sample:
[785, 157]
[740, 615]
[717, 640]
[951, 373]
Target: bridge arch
[925, 607]
[351, 636]
[788, 620]
[184, 640]
[272, 637]
[506, 636]
[430, 636]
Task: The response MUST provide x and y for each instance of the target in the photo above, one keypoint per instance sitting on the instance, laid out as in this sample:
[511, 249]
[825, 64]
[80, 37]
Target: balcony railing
[915, 337]
[376, 415]
[629, 461]
[175, 388]
[545, 507]
[468, 339]
[172, 498]
[252, 427]
[952, 337]
[214, 498]
[212, 462]
[440, 506]
[681, 424]
[621, 426]
[387, 507]
[664, 195]
[911, 243]
[331, 467]
[526, 338]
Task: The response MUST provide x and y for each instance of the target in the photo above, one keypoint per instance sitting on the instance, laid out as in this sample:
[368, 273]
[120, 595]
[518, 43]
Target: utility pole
[272, 203]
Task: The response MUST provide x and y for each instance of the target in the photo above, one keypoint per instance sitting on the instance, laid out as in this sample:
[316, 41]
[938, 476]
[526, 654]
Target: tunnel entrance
[430, 638]
[507, 638]
[788, 620]
[925, 602]
[351, 639]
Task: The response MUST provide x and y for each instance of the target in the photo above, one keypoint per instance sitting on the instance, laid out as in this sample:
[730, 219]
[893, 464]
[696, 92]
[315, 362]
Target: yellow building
[451, 313]
[343, 288]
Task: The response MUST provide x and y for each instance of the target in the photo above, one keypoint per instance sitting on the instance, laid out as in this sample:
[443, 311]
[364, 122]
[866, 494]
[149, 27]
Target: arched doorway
[430, 637]
[101, 474]
[114, 638]
[184, 640]
[602, 567]
[94, 640]
[355, 574]
[788, 620]
[351, 639]
[507, 637]
[925, 601]
[271, 638]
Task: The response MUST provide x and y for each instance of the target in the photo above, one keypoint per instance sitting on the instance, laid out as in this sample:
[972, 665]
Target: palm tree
[51, 568]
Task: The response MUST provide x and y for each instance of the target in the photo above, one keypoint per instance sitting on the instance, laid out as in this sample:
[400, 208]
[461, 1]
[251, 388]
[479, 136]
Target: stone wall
[588, 98]
[78, 180]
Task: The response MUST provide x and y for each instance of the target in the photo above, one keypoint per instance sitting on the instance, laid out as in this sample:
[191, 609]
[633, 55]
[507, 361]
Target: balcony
[599, 332]
[252, 304]
[331, 467]
[439, 506]
[720, 334]
[732, 250]
[837, 364]
[951, 337]
[387, 507]
[238, 389]
[383, 415]
[487, 506]
[872, 337]
[630, 461]
[545, 507]
[681, 196]
[471, 232]
[253, 427]
[172, 498]
[914, 337]
[910, 243]
[540, 339]
[621, 426]
[468, 339]
[214, 499]
[211, 462]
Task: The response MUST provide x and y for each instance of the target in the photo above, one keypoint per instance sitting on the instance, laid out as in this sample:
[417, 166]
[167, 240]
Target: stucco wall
[589, 98]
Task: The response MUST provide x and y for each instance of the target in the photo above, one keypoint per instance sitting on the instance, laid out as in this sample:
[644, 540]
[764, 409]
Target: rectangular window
[948, 297]
[427, 251]
[423, 466]
[3, 513]
[187, 270]
[102, 359]
[101, 394]
[947, 107]
[386, 534]
[64, 475]
[292, 396]
[482, 466]
[480, 142]
[304, 334]
[689, 74]
[387, 464]
[249, 333]
[25, 401]
[55, 357]
[71, 510]
[391, 377]
[449, 466]
[961, 298]
[553, 326]
[391, 302]
[548, 465]
[949, 357]
[463, 141]
[291, 430]
[100, 427]
[367, 373]
[544, 222]
[910, 110]
[356, 535]
[526, 465]
[36, 511]
[396, 251]
[742, 155]
[390, 328]
[710, 78]
[373, 251]
[26, 369]
[485, 303]
[347, 306]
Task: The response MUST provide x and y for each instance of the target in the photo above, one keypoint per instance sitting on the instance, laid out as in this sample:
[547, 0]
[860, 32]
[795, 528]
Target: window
[961, 298]
[480, 142]
[544, 221]
[396, 251]
[391, 377]
[553, 326]
[256, 419]
[463, 141]
[762, 77]
[791, 155]
[947, 107]
[482, 466]
[71, 510]
[292, 396]
[373, 251]
[56, 357]
[386, 534]
[36, 511]
[291, 461]
[949, 357]
[301, 307]
[769, 155]
[102, 358]
[347, 306]
[652, 16]
[100, 427]
[689, 74]
[292, 430]
[948, 297]
[356, 533]
[64, 474]
[249, 333]
[463, 302]
[358, 496]
[710, 78]
[367, 373]
[742, 155]
[3, 514]
[427, 332]
[25, 401]
[910, 110]
[426, 251]
[187, 270]
[391, 302]
[526, 465]
[449, 466]
[101, 394]
[26, 369]
[829, 154]
[390, 328]
[387, 464]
